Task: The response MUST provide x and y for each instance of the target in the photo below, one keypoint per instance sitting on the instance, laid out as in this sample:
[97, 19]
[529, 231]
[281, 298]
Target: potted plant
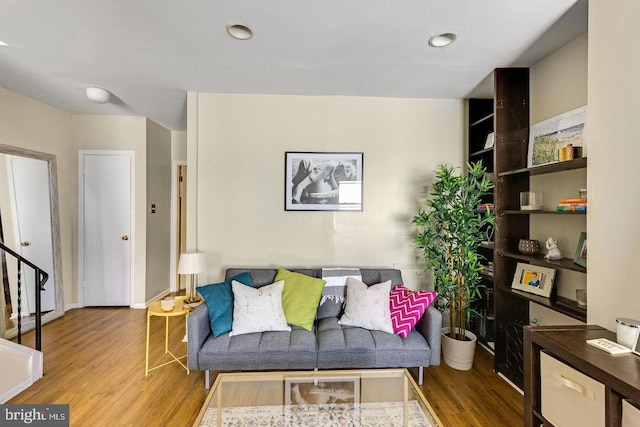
[450, 228]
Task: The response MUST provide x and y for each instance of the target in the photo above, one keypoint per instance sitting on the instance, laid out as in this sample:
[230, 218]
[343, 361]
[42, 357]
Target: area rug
[380, 414]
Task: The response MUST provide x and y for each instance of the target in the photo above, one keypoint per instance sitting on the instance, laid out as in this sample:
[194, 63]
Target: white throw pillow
[257, 309]
[368, 306]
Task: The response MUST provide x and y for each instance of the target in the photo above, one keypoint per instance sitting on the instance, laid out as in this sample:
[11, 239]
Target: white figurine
[552, 249]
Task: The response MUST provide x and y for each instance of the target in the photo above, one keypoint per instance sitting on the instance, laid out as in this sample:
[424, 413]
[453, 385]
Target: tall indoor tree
[450, 228]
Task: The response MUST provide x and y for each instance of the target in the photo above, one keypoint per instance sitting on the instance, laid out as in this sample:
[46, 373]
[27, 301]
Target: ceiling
[149, 53]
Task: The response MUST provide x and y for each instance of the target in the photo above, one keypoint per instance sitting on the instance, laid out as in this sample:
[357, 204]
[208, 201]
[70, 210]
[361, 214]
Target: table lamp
[191, 264]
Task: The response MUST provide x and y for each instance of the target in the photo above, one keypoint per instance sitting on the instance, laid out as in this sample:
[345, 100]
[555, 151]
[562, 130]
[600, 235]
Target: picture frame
[323, 181]
[580, 256]
[491, 138]
[533, 279]
[326, 390]
[548, 136]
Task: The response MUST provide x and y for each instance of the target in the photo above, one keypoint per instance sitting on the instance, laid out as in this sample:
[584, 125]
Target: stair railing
[41, 278]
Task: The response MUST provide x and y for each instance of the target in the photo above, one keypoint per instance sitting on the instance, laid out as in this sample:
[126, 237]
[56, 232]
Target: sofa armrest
[198, 329]
[429, 326]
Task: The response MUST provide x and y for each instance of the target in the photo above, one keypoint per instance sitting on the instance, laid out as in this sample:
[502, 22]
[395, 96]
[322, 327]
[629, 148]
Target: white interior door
[106, 228]
[31, 208]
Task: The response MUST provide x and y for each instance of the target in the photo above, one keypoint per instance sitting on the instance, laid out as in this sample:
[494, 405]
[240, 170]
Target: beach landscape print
[547, 137]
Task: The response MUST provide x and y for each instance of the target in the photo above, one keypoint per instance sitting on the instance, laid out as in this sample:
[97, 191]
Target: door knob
[125, 237]
[25, 243]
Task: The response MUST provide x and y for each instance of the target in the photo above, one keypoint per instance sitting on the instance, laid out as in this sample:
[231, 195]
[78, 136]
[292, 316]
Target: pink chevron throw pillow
[407, 307]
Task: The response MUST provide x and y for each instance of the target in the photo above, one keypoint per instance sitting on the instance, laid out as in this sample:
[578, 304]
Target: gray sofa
[328, 346]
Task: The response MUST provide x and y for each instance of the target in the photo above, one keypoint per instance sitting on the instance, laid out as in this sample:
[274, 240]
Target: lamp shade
[192, 263]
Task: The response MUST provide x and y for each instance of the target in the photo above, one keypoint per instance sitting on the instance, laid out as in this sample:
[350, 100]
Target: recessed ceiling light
[3, 43]
[442, 40]
[239, 31]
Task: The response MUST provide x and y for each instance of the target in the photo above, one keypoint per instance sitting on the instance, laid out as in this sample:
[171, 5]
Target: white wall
[179, 146]
[241, 141]
[119, 133]
[33, 125]
[158, 192]
[614, 109]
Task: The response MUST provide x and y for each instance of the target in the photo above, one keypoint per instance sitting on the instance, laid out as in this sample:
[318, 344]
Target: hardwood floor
[94, 361]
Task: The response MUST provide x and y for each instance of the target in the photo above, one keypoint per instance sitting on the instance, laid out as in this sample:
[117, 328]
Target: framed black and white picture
[323, 181]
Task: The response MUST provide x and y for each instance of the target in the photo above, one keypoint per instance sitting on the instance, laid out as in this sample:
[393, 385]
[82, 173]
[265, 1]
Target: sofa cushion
[219, 300]
[295, 349]
[407, 307]
[256, 310]
[341, 346]
[300, 297]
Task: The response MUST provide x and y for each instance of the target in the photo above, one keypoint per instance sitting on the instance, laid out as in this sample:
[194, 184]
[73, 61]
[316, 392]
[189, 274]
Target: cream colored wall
[118, 133]
[614, 109]
[179, 146]
[241, 141]
[559, 84]
[33, 125]
[159, 219]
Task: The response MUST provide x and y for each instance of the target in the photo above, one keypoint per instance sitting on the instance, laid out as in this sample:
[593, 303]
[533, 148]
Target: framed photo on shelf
[313, 390]
[323, 181]
[533, 279]
[548, 136]
[491, 138]
[580, 256]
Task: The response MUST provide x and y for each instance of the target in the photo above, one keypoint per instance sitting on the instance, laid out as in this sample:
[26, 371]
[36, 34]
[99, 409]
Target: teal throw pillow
[219, 300]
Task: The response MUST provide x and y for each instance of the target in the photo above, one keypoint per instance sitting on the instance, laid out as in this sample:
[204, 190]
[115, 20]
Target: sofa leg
[207, 383]
[420, 375]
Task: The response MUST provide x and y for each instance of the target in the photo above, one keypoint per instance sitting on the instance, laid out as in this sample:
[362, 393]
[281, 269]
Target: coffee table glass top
[380, 397]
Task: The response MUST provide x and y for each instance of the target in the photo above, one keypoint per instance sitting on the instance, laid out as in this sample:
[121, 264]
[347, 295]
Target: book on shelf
[484, 207]
[571, 207]
[487, 271]
[574, 200]
[572, 204]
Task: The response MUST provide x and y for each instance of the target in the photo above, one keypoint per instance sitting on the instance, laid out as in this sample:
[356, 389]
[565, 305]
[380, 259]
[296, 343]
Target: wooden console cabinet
[619, 374]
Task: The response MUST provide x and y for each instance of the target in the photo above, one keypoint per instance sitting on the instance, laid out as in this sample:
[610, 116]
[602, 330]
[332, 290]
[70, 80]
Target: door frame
[17, 236]
[132, 195]
[174, 218]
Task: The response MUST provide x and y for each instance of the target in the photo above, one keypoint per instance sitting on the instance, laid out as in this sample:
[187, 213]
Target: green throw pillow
[300, 297]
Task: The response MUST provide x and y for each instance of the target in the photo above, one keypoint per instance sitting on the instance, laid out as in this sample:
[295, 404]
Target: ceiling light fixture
[239, 31]
[98, 95]
[3, 43]
[442, 40]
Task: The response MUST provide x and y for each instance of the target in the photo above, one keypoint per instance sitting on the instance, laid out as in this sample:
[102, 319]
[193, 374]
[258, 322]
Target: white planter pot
[458, 354]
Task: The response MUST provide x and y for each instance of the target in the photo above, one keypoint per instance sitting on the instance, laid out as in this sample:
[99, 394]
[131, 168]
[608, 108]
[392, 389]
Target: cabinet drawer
[630, 415]
[569, 398]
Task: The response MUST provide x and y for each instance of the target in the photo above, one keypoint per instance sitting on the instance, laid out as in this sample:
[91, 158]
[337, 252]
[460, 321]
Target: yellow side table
[155, 310]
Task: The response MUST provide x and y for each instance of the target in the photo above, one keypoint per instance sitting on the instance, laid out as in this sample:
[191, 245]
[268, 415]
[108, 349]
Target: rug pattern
[379, 414]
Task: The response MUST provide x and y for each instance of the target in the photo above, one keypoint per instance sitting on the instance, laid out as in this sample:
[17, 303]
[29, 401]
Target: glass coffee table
[376, 397]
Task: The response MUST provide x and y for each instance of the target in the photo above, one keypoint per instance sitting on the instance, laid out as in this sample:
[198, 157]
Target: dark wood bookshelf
[539, 259]
[550, 168]
[508, 158]
[543, 212]
[483, 152]
[482, 120]
[559, 304]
